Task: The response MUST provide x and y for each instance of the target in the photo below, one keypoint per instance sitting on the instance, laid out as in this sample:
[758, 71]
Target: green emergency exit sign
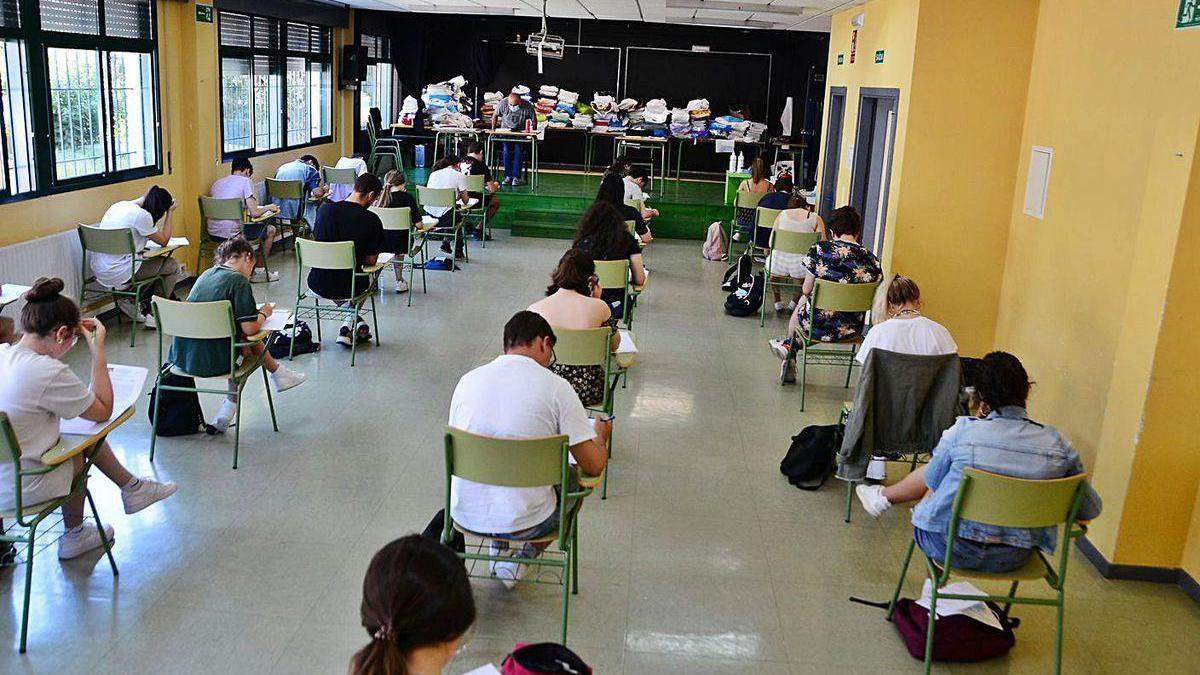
[204, 14]
[879, 56]
[841, 59]
[1189, 14]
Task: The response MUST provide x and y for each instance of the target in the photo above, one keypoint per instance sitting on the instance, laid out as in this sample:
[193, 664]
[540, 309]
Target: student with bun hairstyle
[37, 390]
[416, 607]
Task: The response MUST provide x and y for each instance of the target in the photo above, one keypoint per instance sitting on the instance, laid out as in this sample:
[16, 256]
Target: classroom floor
[702, 560]
[576, 183]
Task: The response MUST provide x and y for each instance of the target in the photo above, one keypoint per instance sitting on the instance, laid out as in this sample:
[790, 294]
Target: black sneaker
[362, 333]
[344, 338]
[8, 555]
[445, 247]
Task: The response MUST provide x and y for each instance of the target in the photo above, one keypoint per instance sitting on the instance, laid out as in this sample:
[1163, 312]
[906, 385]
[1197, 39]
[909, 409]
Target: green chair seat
[31, 509]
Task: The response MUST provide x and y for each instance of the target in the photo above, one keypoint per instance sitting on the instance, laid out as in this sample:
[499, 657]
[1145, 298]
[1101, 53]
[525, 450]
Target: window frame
[279, 55]
[376, 61]
[37, 43]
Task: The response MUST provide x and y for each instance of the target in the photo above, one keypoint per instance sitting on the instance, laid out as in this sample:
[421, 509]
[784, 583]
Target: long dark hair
[46, 308]
[574, 272]
[415, 594]
[612, 190]
[602, 229]
[157, 201]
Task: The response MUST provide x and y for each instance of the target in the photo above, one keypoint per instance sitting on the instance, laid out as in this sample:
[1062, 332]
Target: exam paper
[127, 382]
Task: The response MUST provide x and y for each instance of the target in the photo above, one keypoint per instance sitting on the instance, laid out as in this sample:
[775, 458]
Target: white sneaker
[497, 548]
[146, 493]
[779, 307]
[401, 286]
[787, 372]
[82, 539]
[791, 306]
[872, 499]
[260, 275]
[286, 378]
[148, 321]
[510, 572]
[225, 415]
[778, 348]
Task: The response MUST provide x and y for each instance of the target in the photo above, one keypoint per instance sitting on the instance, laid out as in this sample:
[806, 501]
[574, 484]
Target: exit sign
[879, 56]
[1189, 14]
[841, 59]
[204, 14]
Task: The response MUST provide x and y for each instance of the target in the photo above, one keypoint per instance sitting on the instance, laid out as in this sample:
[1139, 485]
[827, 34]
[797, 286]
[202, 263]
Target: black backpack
[281, 342]
[809, 460]
[179, 413]
[747, 299]
[738, 273]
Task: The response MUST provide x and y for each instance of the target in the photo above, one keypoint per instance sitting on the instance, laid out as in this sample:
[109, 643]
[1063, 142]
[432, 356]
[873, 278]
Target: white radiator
[57, 255]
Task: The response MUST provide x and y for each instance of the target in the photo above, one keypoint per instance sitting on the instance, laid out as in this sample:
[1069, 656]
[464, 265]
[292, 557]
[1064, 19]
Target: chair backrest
[507, 462]
[747, 200]
[612, 273]
[832, 296]
[635, 203]
[474, 182]
[436, 197]
[10, 448]
[285, 189]
[199, 320]
[1004, 501]
[332, 176]
[764, 218]
[222, 209]
[100, 240]
[393, 219]
[786, 241]
[582, 347]
[631, 225]
[326, 255]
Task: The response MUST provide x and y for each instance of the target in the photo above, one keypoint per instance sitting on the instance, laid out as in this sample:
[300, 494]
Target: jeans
[972, 555]
[550, 524]
[511, 153]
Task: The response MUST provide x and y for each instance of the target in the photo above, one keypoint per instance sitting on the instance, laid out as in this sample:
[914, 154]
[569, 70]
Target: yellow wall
[188, 87]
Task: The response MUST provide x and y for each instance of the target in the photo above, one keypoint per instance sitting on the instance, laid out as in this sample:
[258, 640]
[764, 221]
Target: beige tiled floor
[702, 560]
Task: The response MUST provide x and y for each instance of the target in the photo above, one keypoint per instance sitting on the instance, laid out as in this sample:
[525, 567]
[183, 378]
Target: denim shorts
[972, 555]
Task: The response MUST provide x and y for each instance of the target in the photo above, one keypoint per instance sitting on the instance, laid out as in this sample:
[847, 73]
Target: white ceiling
[808, 15]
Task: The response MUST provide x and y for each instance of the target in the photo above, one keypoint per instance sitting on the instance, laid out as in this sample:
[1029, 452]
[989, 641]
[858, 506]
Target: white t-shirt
[512, 397]
[113, 270]
[448, 177]
[232, 186]
[339, 191]
[917, 335]
[633, 190]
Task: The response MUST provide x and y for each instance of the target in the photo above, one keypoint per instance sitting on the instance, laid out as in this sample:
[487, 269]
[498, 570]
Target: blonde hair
[393, 179]
[902, 291]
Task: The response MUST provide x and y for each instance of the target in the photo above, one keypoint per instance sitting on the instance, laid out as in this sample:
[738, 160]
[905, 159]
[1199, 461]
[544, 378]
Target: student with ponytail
[416, 608]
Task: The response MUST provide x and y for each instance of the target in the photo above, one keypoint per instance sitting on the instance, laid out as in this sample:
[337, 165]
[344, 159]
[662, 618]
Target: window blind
[71, 16]
[10, 14]
[127, 19]
[235, 30]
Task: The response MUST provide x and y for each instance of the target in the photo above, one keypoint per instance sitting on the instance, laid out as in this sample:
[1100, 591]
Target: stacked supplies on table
[582, 121]
[727, 126]
[445, 99]
[408, 111]
[603, 103]
[755, 132]
[568, 97]
[544, 106]
[698, 109]
[490, 99]
[627, 104]
[656, 111]
[548, 91]
[522, 91]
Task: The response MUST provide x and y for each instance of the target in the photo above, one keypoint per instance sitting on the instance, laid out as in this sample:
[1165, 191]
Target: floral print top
[846, 263]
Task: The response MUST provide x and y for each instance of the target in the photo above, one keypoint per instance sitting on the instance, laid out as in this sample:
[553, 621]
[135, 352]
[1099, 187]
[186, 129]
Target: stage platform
[686, 207]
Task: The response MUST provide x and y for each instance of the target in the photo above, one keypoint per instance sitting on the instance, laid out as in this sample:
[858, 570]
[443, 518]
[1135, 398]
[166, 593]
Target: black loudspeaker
[354, 67]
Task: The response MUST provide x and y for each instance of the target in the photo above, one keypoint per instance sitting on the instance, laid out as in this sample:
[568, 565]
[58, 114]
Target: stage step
[548, 223]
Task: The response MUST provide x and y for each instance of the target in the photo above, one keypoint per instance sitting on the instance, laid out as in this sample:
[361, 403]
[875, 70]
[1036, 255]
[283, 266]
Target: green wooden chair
[475, 185]
[520, 463]
[113, 242]
[615, 274]
[741, 200]
[834, 297]
[445, 198]
[764, 225]
[400, 220]
[993, 499]
[224, 209]
[331, 176]
[207, 321]
[31, 516]
[290, 189]
[382, 147]
[332, 255]
[591, 347]
[784, 242]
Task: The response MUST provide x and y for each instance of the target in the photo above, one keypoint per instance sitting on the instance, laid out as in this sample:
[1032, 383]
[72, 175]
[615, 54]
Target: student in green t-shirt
[229, 279]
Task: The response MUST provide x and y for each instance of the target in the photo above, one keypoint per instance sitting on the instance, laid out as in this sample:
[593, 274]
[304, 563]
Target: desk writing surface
[127, 383]
[70, 445]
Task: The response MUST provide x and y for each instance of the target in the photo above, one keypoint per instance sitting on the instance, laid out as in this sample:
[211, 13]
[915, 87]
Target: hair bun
[45, 289]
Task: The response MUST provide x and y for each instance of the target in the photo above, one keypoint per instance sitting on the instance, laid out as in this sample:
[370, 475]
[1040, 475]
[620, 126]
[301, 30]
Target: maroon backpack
[957, 637]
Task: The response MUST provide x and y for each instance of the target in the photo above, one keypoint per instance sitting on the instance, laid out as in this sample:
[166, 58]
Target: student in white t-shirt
[37, 390]
[237, 185]
[339, 192]
[635, 183]
[905, 329]
[447, 173]
[140, 216]
[518, 396]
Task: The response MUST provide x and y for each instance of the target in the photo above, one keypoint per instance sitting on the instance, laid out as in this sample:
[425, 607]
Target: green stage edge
[686, 207]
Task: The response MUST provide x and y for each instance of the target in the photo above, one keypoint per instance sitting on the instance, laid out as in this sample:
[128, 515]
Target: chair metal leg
[932, 624]
[154, 419]
[270, 399]
[900, 582]
[28, 591]
[850, 365]
[803, 375]
[1012, 591]
[566, 599]
[237, 428]
[103, 537]
[849, 498]
[375, 319]
[1058, 634]
[137, 306]
[575, 557]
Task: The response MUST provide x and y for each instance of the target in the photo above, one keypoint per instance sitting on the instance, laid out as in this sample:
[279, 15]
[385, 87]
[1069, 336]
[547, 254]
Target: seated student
[473, 165]
[140, 216]
[8, 332]
[1002, 440]
[573, 302]
[340, 191]
[619, 167]
[841, 259]
[416, 606]
[349, 220]
[905, 329]
[757, 183]
[306, 169]
[229, 279]
[447, 173]
[237, 185]
[37, 390]
[798, 216]
[395, 195]
[602, 233]
[517, 396]
[634, 184]
[612, 192]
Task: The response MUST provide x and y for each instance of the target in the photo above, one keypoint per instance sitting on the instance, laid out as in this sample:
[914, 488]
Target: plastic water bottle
[732, 163]
[741, 161]
[528, 126]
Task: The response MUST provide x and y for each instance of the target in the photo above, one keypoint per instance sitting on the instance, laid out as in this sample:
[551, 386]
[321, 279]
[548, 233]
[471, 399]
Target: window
[276, 84]
[78, 94]
[378, 87]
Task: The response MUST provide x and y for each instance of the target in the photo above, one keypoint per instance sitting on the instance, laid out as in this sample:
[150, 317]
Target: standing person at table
[635, 184]
[306, 169]
[140, 216]
[37, 390]
[229, 279]
[349, 220]
[512, 113]
[395, 195]
[612, 192]
[602, 233]
[237, 185]
[447, 174]
[473, 165]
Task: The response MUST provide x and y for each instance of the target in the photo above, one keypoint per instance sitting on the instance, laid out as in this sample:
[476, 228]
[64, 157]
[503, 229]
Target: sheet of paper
[429, 221]
[278, 320]
[12, 293]
[385, 258]
[173, 241]
[485, 669]
[723, 145]
[127, 382]
[626, 346]
[472, 203]
[975, 609]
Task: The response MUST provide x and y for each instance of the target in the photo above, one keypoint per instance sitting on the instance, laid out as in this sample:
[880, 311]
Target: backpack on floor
[738, 273]
[433, 532]
[747, 299]
[957, 637]
[543, 657]
[809, 460]
[715, 247]
[179, 412]
[281, 342]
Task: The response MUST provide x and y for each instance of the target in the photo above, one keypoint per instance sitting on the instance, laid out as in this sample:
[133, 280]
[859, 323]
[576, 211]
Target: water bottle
[741, 161]
[528, 126]
[732, 163]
